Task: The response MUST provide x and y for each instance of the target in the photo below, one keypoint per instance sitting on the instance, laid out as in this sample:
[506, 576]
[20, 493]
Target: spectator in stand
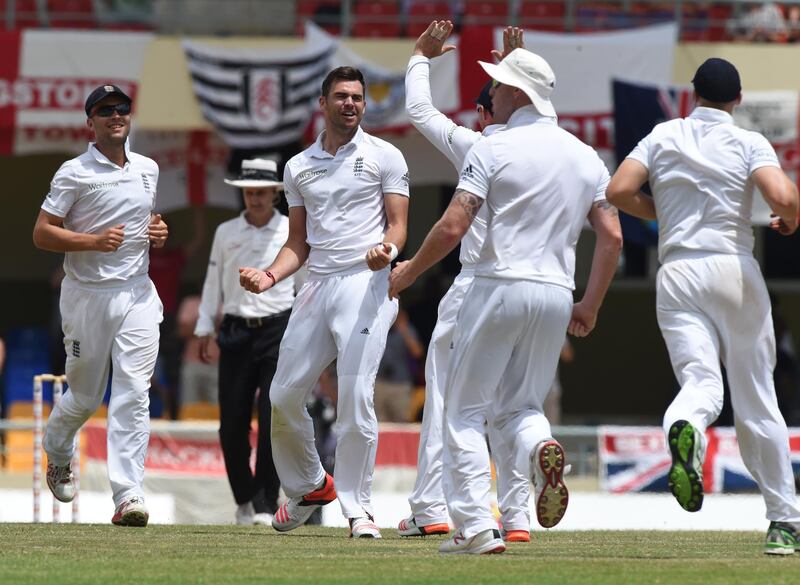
[166, 268]
[395, 379]
[199, 378]
[763, 23]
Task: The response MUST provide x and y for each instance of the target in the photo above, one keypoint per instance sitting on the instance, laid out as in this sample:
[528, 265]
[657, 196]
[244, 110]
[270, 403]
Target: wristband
[393, 253]
[272, 276]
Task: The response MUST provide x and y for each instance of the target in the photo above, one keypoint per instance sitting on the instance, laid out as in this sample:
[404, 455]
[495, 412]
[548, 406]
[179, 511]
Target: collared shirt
[700, 170]
[239, 243]
[539, 183]
[343, 197]
[452, 140]
[91, 194]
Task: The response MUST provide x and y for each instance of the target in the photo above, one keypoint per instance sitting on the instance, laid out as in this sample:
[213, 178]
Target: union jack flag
[636, 459]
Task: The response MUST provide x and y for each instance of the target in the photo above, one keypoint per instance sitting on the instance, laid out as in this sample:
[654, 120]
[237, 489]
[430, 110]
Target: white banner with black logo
[259, 99]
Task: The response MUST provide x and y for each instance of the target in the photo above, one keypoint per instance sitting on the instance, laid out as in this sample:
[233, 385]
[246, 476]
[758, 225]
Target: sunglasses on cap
[122, 109]
[495, 84]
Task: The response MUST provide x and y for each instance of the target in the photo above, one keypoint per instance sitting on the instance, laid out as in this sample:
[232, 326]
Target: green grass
[106, 555]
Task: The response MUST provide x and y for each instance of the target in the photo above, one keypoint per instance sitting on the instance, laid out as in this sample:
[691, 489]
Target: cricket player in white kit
[711, 300]
[540, 184]
[99, 212]
[348, 207]
[427, 500]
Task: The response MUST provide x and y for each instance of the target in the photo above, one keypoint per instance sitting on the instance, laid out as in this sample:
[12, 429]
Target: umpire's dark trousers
[248, 357]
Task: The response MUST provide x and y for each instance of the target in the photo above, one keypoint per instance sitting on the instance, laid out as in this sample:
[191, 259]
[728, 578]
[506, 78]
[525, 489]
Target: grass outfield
[107, 555]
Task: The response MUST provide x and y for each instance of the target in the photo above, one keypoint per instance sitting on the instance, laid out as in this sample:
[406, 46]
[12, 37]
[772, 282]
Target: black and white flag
[260, 99]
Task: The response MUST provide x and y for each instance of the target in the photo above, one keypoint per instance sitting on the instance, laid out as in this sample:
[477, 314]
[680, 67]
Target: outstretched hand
[430, 44]
[512, 39]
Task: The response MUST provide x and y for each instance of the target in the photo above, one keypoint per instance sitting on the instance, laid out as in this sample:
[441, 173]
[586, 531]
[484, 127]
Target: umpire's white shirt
[452, 140]
[343, 198]
[537, 203]
[700, 170]
[239, 243]
[92, 194]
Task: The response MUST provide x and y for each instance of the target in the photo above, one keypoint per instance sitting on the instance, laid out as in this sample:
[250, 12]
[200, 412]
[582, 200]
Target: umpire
[249, 336]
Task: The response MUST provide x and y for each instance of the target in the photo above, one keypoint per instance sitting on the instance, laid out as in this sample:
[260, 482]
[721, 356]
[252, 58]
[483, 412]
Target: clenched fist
[111, 239]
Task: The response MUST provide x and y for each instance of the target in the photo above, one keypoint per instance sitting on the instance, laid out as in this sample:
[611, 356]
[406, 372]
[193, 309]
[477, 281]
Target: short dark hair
[342, 74]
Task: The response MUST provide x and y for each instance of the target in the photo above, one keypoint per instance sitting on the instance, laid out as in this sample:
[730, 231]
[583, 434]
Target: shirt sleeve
[602, 184]
[212, 290]
[156, 173]
[293, 197]
[394, 173]
[642, 152]
[477, 171]
[63, 193]
[761, 154]
[449, 138]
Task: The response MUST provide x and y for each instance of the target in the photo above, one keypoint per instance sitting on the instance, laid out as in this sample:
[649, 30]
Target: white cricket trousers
[108, 327]
[715, 308]
[344, 317]
[427, 501]
[506, 346]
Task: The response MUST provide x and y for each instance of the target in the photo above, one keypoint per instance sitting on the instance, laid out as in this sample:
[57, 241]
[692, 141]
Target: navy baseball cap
[101, 92]
[717, 80]
[484, 99]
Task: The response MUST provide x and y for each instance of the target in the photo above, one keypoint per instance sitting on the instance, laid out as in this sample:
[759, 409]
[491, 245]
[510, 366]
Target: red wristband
[272, 276]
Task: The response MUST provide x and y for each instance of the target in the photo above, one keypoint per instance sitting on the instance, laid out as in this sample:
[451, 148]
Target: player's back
[699, 171]
[542, 183]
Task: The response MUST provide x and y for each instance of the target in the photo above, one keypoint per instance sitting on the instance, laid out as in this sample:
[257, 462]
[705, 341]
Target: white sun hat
[528, 72]
[257, 173]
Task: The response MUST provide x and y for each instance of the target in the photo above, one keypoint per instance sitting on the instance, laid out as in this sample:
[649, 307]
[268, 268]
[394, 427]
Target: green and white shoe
[781, 539]
[686, 474]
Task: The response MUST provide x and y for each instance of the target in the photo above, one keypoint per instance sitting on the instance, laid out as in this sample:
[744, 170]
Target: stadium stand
[376, 19]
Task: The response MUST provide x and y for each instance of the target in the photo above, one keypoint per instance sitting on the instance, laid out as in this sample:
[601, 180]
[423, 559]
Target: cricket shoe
[60, 482]
[262, 519]
[295, 511]
[782, 539]
[409, 527]
[515, 535]
[685, 477]
[364, 527]
[547, 474]
[131, 512]
[486, 542]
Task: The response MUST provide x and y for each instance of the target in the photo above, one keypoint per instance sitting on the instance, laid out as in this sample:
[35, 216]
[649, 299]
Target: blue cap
[717, 80]
[102, 92]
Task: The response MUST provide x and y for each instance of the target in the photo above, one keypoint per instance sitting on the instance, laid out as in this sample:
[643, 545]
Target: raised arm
[781, 195]
[624, 190]
[605, 221]
[288, 261]
[452, 140]
[50, 234]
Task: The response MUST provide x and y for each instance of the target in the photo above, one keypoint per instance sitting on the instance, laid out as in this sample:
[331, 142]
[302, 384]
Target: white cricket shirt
[539, 183]
[92, 194]
[450, 139]
[700, 170]
[238, 243]
[343, 198]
